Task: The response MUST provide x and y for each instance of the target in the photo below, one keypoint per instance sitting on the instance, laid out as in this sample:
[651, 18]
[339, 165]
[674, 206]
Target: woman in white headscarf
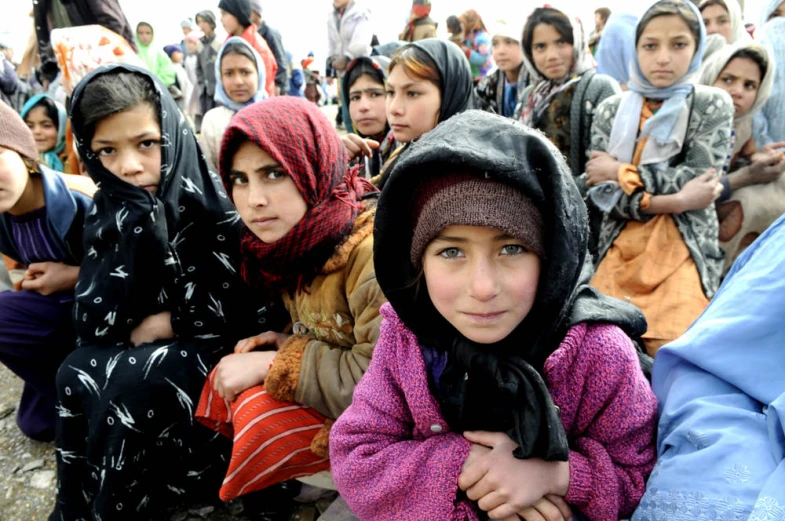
[754, 189]
[724, 17]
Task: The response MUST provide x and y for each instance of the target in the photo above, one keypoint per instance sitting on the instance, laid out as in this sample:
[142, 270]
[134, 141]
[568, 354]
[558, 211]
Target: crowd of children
[538, 292]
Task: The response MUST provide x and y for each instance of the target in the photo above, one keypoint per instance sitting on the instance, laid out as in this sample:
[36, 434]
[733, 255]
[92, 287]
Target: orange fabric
[271, 438]
[650, 266]
[14, 269]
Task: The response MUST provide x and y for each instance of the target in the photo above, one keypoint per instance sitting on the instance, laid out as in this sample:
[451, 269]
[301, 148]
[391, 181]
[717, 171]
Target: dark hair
[241, 50]
[364, 69]
[750, 54]
[671, 8]
[709, 3]
[50, 108]
[140, 24]
[604, 13]
[453, 24]
[548, 16]
[417, 64]
[112, 93]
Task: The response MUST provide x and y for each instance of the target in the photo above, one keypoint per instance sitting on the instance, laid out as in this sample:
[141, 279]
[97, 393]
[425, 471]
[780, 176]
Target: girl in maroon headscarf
[308, 238]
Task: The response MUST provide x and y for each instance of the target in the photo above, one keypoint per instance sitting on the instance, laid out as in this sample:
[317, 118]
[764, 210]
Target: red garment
[271, 439]
[252, 36]
[298, 136]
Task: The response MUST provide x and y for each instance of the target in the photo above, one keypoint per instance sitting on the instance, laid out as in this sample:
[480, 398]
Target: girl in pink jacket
[502, 385]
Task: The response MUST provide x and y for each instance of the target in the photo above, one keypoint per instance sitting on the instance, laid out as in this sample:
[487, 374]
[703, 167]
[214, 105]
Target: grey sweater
[706, 146]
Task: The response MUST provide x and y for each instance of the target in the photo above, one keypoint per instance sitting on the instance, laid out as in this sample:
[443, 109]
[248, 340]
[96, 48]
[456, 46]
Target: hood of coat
[511, 153]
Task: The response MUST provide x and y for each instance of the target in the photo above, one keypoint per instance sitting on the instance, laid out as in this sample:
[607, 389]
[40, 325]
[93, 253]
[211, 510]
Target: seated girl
[364, 91]
[428, 82]
[239, 82]
[158, 302]
[501, 386]
[42, 214]
[308, 238]
[663, 143]
[754, 190]
[47, 120]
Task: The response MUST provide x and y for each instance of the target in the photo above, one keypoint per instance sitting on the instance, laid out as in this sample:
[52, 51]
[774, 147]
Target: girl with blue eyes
[659, 150]
[157, 303]
[502, 386]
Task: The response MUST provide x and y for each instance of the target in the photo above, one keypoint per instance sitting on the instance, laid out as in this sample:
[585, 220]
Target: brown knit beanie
[471, 200]
[15, 135]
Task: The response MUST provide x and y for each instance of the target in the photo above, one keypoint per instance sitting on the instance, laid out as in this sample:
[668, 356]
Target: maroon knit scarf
[296, 134]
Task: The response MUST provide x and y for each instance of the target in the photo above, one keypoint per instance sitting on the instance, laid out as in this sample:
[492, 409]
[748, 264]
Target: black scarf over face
[173, 251]
[498, 387]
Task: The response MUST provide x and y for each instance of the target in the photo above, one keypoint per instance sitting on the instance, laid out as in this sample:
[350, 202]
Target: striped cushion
[272, 438]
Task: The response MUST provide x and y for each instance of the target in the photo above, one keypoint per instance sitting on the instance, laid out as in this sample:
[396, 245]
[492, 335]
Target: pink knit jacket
[394, 458]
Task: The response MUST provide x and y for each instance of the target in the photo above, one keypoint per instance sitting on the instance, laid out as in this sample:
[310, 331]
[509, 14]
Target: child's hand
[237, 372]
[47, 278]
[549, 508]
[601, 167]
[475, 452]
[152, 328]
[270, 338]
[357, 146]
[503, 485]
[767, 164]
[701, 192]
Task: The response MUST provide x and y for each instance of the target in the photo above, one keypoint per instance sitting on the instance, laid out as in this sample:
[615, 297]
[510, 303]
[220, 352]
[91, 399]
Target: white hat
[502, 28]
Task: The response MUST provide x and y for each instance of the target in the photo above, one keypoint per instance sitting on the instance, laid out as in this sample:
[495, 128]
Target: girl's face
[13, 179]
[552, 54]
[239, 77]
[231, 23]
[367, 106]
[717, 21]
[265, 196]
[129, 145]
[413, 105]
[191, 46]
[145, 34]
[665, 50]
[43, 128]
[481, 280]
[177, 57]
[741, 79]
[507, 53]
[779, 11]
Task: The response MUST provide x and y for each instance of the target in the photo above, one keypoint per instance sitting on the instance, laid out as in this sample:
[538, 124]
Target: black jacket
[275, 42]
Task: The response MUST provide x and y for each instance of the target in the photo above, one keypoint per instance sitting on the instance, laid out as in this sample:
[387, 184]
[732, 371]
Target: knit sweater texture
[394, 457]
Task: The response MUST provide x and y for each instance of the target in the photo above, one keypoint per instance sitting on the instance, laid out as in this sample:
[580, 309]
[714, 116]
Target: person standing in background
[187, 26]
[236, 19]
[600, 19]
[57, 14]
[274, 40]
[156, 59]
[476, 44]
[205, 70]
[420, 25]
[455, 29]
[349, 35]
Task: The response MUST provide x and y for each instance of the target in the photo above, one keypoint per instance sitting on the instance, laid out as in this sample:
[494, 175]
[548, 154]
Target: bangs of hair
[417, 64]
[671, 8]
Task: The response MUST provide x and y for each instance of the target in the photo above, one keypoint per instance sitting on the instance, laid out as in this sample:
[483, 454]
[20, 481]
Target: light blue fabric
[660, 126]
[768, 124]
[50, 157]
[617, 46]
[769, 8]
[721, 388]
[220, 94]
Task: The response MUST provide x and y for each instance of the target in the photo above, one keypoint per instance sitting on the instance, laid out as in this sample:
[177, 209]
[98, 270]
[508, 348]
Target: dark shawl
[498, 387]
[173, 251]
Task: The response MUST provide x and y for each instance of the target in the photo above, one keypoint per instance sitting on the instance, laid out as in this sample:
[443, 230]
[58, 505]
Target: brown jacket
[319, 365]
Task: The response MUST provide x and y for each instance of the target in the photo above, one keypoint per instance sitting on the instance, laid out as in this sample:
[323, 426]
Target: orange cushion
[272, 438]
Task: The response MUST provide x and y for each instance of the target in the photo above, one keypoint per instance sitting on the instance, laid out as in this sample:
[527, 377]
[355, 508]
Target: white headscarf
[714, 65]
[737, 30]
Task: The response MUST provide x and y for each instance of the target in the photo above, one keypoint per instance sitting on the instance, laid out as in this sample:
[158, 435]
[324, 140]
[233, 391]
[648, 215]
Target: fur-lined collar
[363, 227]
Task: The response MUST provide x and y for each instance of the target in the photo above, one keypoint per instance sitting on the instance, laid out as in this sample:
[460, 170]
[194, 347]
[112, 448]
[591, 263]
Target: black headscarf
[498, 387]
[240, 9]
[173, 251]
[457, 86]
[376, 65]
